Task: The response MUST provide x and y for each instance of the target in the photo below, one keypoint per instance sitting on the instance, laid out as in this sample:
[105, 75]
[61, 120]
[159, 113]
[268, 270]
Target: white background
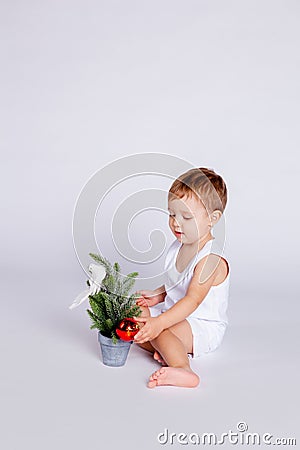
[84, 83]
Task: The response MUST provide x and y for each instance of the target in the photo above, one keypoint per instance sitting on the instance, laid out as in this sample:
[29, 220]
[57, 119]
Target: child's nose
[178, 223]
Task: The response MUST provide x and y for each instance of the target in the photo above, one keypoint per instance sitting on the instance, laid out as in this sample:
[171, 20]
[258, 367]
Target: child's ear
[215, 216]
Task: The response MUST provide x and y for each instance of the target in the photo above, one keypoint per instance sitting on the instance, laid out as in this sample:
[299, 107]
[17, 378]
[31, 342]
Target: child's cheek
[196, 228]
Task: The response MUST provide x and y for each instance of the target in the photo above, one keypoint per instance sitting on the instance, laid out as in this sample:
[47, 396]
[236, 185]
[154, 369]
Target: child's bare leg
[174, 348]
[147, 345]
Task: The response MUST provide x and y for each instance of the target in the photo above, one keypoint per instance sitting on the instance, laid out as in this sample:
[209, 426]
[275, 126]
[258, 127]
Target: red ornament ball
[127, 329]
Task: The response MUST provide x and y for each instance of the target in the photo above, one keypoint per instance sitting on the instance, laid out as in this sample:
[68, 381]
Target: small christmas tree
[112, 303]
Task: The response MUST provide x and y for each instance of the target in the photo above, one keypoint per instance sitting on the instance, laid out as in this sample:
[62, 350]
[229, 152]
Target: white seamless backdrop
[84, 83]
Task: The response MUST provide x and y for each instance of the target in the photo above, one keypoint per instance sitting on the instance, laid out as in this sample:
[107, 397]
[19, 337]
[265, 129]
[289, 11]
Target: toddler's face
[188, 219]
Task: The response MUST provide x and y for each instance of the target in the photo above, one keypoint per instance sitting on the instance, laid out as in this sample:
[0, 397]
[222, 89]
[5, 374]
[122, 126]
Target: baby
[186, 317]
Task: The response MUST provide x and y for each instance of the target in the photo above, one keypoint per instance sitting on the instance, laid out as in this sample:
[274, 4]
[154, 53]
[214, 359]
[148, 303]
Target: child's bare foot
[159, 359]
[173, 376]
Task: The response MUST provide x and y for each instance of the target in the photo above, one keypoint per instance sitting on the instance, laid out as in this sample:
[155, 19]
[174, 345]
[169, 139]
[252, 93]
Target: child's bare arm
[203, 278]
[151, 298]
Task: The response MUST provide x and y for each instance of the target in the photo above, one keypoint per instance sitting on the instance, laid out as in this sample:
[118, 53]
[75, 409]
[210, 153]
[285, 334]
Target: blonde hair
[204, 183]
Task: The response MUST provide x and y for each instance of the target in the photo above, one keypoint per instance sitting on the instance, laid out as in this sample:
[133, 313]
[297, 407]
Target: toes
[154, 379]
[154, 376]
[157, 357]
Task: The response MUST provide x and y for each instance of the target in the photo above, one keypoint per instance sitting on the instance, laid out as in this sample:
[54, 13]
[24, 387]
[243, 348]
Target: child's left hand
[150, 330]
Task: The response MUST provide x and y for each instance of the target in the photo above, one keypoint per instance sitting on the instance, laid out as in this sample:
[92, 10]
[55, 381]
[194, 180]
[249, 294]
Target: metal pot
[113, 355]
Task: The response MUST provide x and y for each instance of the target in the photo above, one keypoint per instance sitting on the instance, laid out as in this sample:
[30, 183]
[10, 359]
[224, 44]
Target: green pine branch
[113, 302]
[103, 261]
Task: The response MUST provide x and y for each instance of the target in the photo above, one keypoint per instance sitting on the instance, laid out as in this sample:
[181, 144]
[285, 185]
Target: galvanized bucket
[113, 355]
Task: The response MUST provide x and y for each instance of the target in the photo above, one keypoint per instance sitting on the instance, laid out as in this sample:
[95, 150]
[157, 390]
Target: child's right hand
[148, 298]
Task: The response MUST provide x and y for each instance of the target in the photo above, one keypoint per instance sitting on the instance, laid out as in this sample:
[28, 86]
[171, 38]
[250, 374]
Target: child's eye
[187, 218]
[172, 215]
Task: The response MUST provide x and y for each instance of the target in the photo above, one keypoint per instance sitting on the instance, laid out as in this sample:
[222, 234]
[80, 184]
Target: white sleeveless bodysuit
[209, 321]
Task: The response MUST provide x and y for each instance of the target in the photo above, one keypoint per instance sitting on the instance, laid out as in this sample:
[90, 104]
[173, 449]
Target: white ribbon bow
[97, 275]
